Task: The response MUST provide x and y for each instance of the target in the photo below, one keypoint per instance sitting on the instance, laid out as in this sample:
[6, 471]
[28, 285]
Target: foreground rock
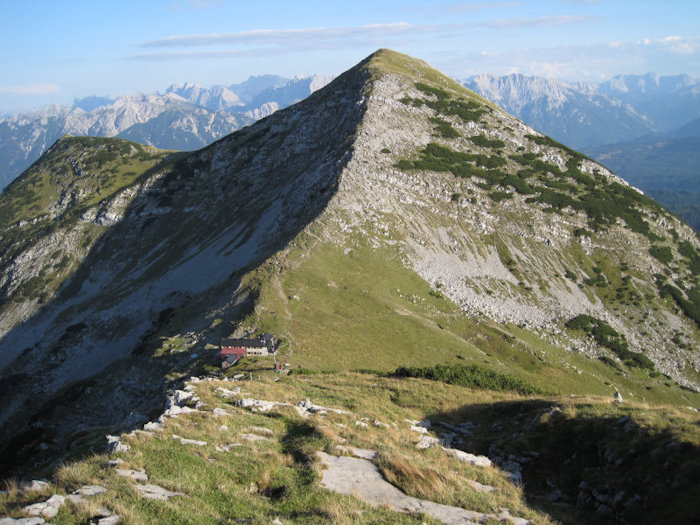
[362, 479]
[155, 492]
[46, 509]
[22, 521]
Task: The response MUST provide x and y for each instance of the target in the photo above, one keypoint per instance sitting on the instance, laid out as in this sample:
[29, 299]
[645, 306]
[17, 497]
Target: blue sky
[55, 51]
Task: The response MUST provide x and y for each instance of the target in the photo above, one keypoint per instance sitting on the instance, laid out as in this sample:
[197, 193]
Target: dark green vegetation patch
[691, 256]
[603, 202]
[444, 129]
[662, 253]
[689, 305]
[473, 376]
[436, 157]
[484, 142]
[444, 104]
[605, 335]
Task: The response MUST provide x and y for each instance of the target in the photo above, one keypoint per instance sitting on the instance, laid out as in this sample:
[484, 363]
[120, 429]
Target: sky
[55, 51]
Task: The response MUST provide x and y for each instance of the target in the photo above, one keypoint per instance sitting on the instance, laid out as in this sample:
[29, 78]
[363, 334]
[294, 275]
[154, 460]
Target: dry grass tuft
[77, 473]
[11, 486]
[338, 513]
[421, 482]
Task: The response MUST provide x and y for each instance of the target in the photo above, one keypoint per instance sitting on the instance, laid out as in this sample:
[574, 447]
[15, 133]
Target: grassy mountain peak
[392, 220]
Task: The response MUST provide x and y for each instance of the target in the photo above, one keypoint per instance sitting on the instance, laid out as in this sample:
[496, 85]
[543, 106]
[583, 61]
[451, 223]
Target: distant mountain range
[573, 113]
[646, 128]
[185, 117]
[636, 124]
[583, 115]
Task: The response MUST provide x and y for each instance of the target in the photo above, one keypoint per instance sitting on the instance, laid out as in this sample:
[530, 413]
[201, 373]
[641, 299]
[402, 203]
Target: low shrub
[473, 376]
[605, 335]
[662, 253]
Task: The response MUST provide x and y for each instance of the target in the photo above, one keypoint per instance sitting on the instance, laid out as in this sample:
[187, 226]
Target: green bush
[610, 362]
[473, 376]
[445, 105]
[484, 142]
[498, 196]
[605, 335]
[691, 306]
[303, 371]
[435, 157]
[662, 253]
[693, 258]
[444, 128]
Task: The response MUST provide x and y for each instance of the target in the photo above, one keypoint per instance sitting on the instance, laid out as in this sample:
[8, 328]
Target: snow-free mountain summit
[391, 218]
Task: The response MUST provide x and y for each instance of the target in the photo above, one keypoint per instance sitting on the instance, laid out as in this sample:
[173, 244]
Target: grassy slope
[261, 481]
[107, 165]
[604, 203]
[364, 310]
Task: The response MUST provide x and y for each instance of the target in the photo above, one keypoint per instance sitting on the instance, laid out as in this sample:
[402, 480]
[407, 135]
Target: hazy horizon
[58, 52]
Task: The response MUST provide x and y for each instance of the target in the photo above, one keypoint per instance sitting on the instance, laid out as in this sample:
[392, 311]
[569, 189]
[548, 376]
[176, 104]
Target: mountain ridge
[481, 238]
[571, 112]
[197, 115]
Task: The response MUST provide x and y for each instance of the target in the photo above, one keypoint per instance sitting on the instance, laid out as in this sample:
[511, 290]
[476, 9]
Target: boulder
[114, 445]
[22, 521]
[137, 475]
[481, 487]
[224, 392]
[155, 492]
[36, 485]
[428, 442]
[90, 490]
[259, 405]
[46, 509]
[114, 519]
[466, 457]
[186, 441]
[254, 437]
[357, 452]
[153, 426]
[227, 447]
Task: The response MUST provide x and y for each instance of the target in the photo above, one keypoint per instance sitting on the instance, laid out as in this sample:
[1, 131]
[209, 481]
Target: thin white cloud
[30, 89]
[271, 42]
[285, 36]
[674, 44]
[192, 55]
[542, 21]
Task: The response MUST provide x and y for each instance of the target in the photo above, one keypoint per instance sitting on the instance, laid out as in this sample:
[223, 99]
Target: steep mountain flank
[392, 218]
[185, 117]
[510, 224]
[182, 231]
